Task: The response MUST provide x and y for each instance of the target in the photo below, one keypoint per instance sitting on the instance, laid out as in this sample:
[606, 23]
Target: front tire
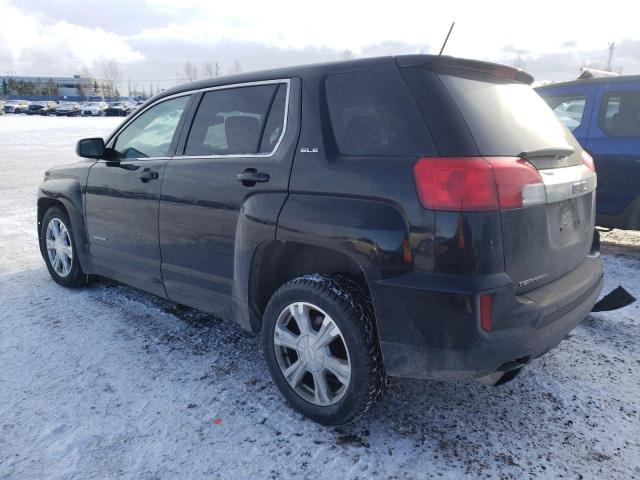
[59, 251]
[321, 348]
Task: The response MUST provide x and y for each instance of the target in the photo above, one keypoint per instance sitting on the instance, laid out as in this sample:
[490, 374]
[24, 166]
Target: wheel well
[277, 263]
[45, 204]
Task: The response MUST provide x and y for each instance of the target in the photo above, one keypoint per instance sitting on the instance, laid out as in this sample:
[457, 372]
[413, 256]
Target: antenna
[447, 39]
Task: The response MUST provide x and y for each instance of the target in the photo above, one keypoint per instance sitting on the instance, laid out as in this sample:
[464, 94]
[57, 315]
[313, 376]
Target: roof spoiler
[444, 64]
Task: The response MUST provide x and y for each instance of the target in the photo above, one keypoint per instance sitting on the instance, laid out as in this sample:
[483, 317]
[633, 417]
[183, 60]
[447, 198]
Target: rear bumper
[430, 327]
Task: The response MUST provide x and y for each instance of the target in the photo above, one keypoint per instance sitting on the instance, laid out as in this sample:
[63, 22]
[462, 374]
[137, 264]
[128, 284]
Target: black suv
[414, 216]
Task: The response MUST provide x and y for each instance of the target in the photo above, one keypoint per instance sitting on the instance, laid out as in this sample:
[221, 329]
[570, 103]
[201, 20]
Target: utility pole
[612, 47]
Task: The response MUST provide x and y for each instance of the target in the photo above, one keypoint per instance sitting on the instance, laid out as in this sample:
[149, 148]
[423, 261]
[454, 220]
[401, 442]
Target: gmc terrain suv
[415, 216]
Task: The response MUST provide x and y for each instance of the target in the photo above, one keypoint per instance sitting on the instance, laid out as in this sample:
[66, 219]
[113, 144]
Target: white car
[16, 106]
[94, 109]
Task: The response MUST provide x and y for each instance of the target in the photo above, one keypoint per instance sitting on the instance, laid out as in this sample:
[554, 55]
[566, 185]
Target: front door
[225, 192]
[122, 197]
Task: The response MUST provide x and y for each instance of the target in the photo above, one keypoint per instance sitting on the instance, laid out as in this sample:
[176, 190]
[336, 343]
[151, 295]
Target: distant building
[75, 86]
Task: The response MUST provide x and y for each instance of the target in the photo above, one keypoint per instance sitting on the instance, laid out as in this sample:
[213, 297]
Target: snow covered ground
[109, 382]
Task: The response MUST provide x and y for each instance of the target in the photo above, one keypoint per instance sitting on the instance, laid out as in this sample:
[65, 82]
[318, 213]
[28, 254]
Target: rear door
[614, 142]
[226, 189]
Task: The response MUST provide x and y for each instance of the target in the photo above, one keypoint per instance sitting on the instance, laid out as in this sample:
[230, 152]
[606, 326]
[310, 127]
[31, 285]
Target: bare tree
[519, 61]
[217, 69]
[190, 72]
[207, 70]
[347, 54]
[111, 72]
[236, 67]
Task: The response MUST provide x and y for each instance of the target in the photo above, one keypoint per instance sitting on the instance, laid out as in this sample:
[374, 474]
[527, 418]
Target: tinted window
[569, 110]
[150, 134]
[373, 113]
[231, 121]
[275, 122]
[620, 114]
[506, 118]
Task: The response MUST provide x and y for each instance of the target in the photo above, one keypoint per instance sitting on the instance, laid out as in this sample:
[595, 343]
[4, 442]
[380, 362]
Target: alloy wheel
[59, 248]
[312, 354]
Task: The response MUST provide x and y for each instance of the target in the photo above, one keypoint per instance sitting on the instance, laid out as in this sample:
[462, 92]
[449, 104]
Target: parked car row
[69, 109]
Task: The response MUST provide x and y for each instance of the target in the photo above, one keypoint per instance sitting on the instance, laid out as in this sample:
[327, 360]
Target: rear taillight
[588, 161]
[469, 184]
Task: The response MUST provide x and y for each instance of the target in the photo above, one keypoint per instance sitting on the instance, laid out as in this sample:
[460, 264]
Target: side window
[569, 110]
[234, 121]
[150, 134]
[619, 114]
[274, 128]
[373, 113]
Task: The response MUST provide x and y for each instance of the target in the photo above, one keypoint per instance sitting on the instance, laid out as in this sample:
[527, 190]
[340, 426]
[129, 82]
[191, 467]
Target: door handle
[147, 174]
[251, 176]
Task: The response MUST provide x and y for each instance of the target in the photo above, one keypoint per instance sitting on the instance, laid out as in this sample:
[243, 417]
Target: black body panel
[122, 221]
[65, 186]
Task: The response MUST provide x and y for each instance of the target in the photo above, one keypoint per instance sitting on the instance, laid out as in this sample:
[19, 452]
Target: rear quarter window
[373, 114]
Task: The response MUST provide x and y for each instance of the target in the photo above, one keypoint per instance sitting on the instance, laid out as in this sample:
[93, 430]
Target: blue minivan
[604, 115]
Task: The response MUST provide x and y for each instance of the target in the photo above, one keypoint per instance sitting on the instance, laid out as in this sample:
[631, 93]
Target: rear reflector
[468, 184]
[485, 313]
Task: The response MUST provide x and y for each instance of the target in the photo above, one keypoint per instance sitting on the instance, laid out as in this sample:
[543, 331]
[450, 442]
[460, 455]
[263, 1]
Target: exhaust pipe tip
[505, 372]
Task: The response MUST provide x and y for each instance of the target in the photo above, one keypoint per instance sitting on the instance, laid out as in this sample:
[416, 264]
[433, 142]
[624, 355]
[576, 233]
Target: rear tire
[59, 250]
[332, 370]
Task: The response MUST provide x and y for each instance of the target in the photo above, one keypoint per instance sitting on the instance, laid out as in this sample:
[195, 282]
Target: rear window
[373, 114]
[506, 118]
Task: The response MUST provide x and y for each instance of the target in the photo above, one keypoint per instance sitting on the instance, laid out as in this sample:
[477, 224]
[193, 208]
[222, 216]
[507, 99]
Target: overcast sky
[152, 39]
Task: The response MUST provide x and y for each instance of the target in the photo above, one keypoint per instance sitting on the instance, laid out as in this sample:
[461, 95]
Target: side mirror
[90, 148]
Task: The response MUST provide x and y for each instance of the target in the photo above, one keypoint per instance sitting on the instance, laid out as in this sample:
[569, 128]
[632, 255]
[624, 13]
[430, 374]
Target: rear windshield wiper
[558, 153]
